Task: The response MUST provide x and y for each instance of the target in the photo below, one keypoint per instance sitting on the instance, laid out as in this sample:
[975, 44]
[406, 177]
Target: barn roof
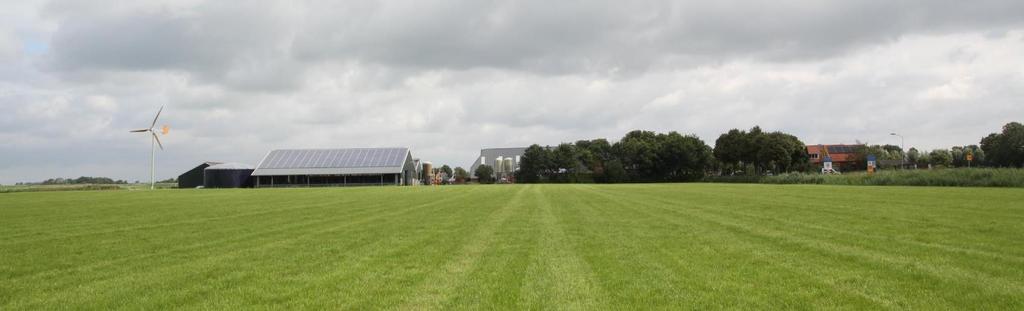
[230, 166]
[344, 161]
[839, 153]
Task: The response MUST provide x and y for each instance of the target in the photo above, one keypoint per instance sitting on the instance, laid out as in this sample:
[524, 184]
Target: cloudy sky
[446, 78]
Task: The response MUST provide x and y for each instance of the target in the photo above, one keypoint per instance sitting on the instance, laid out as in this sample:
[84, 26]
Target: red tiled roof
[843, 156]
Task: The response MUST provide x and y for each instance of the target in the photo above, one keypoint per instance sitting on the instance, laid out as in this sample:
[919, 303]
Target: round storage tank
[497, 166]
[507, 166]
[428, 173]
[228, 175]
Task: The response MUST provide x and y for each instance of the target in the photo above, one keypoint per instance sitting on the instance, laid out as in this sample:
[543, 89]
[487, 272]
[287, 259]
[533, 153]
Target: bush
[69, 187]
[961, 177]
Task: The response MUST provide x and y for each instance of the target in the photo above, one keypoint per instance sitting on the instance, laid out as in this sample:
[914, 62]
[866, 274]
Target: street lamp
[903, 159]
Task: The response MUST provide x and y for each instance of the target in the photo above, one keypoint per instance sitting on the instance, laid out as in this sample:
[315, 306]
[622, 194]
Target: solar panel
[842, 148]
[334, 158]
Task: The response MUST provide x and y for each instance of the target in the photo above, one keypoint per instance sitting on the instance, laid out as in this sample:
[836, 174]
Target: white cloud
[958, 88]
[102, 103]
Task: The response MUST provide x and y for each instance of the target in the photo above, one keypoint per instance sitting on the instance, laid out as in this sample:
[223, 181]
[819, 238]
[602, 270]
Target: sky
[447, 78]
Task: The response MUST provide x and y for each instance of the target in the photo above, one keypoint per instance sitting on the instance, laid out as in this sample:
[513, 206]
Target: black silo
[228, 175]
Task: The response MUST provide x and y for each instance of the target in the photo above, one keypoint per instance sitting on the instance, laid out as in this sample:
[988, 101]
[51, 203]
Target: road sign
[871, 163]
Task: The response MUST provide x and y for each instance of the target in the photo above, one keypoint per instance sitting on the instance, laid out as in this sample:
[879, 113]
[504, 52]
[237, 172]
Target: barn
[194, 177]
[495, 157]
[335, 167]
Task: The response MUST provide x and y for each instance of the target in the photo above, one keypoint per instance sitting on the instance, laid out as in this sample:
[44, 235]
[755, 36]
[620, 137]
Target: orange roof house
[840, 153]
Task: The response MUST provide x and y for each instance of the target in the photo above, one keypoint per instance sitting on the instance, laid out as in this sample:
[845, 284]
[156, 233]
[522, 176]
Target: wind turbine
[155, 141]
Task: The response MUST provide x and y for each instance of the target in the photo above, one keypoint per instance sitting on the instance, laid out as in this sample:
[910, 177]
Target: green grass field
[673, 246]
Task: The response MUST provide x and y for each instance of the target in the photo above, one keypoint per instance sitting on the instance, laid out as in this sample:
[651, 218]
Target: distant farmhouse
[843, 156]
[504, 161]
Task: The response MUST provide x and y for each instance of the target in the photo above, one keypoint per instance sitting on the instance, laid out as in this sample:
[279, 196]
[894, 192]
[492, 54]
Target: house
[844, 157]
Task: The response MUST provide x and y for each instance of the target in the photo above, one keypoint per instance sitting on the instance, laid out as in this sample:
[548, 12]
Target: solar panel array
[334, 158]
[841, 149]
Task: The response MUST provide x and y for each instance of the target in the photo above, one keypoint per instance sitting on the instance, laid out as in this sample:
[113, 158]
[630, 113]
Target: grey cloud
[258, 46]
[449, 77]
[598, 36]
[800, 29]
[240, 44]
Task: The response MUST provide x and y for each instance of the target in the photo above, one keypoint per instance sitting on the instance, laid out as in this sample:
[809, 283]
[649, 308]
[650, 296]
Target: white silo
[498, 166]
[508, 166]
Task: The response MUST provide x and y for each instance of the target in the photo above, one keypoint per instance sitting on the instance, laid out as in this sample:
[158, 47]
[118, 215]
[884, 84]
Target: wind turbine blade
[157, 116]
[138, 131]
[158, 141]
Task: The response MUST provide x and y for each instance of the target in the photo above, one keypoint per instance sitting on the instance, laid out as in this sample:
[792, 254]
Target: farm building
[499, 159]
[843, 156]
[335, 167]
[228, 175]
[194, 177]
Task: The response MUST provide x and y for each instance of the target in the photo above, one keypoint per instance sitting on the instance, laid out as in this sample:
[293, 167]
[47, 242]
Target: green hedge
[39, 188]
[958, 177]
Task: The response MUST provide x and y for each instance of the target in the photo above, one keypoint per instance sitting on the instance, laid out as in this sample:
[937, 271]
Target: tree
[614, 172]
[914, 156]
[484, 174]
[925, 159]
[600, 148]
[753, 144]
[799, 160]
[534, 165]
[772, 152]
[461, 175]
[940, 157]
[765, 151]
[893, 149]
[729, 148]
[640, 156]
[1005, 148]
[650, 157]
[566, 163]
[681, 158]
[638, 153]
[447, 170]
[958, 156]
[88, 180]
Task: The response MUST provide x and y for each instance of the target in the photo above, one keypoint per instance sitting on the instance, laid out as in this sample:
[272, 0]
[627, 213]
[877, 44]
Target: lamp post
[903, 151]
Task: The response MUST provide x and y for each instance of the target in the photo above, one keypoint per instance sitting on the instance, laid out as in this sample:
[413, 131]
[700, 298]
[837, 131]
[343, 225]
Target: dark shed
[194, 177]
[228, 175]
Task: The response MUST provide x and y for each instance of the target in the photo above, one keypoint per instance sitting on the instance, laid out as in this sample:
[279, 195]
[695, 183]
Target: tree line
[738, 151]
[640, 156]
[646, 156]
[1003, 149]
[80, 180]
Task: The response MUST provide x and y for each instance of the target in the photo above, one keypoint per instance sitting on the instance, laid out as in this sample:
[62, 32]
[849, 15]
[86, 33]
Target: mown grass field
[678, 246]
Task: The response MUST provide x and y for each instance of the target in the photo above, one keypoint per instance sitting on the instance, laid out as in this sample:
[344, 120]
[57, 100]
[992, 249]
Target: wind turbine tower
[154, 142]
